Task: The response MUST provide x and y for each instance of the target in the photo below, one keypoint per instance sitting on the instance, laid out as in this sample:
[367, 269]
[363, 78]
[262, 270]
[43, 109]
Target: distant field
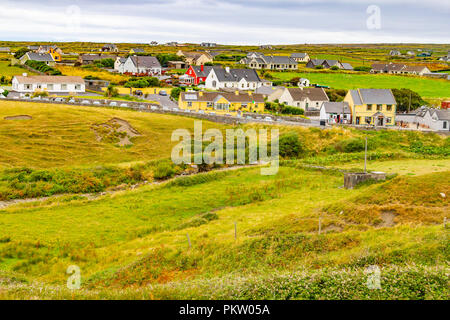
[428, 88]
[84, 72]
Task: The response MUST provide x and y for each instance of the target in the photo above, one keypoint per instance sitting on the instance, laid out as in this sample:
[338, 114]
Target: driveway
[165, 101]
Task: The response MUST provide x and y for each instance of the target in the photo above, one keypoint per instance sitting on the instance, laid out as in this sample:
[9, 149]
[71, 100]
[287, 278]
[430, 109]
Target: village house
[196, 58]
[138, 66]
[308, 99]
[259, 61]
[196, 75]
[47, 58]
[177, 65]
[266, 47]
[300, 57]
[372, 107]
[395, 53]
[425, 117]
[50, 84]
[137, 50]
[208, 44]
[328, 63]
[5, 49]
[303, 82]
[86, 59]
[399, 68]
[222, 102]
[110, 48]
[335, 112]
[53, 50]
[226, 78]
[269, 92]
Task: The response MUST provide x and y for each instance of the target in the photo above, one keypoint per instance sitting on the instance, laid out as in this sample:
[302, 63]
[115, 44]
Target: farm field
[427, 88]
[10, 71]
[131, 243]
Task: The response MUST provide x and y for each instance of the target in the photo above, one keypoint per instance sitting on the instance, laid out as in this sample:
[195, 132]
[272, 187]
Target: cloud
[225, 21]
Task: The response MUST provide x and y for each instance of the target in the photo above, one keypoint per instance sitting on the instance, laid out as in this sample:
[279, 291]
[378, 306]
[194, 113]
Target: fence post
[320, 224]
[235, 231]
[189, 240]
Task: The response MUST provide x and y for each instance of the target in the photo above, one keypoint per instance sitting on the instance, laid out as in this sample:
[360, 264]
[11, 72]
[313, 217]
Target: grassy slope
[138, 238]
[62, 135]
[10, 71]
[428, 88]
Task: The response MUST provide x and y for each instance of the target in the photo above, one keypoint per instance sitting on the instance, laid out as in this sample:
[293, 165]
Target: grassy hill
[133, 243]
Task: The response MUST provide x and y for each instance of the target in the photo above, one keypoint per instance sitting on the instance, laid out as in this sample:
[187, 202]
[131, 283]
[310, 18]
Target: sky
[252, 22]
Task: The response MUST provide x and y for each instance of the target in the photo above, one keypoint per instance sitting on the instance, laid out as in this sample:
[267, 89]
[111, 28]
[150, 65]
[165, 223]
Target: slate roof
[389, 67]
[442, 114]
[314, 94]
[230, 96]
[145, 62]
[372, 96]
[200, 73]
[336, 107]
[346, 66]
[138, 50]
[45, 57]
[299, 55]
[235, 75]
[266, 90]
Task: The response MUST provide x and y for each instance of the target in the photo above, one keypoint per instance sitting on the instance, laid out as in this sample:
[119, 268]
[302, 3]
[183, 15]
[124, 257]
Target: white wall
[57, 87]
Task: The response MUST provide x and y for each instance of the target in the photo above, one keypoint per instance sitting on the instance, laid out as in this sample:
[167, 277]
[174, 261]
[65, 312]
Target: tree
[111, 91]
[402, 96]
[175, 94]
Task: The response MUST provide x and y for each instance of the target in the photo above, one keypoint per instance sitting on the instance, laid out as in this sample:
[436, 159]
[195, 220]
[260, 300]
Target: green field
[131, 243]
[10, 71]
[427, 88]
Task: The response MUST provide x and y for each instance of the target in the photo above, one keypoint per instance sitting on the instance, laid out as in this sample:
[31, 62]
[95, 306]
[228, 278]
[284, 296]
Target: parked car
[124, 105]
[268, 119]
[154, 108]
[163, 93]
[113, 104]
[85, 102]
[59, 99]
[97, 103]
[166, 109]
[72, 101]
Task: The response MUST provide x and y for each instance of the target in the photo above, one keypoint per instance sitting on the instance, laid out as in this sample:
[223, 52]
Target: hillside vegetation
[132, 243]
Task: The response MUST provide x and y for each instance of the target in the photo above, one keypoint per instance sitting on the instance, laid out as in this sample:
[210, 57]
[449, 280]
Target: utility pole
[409, 106]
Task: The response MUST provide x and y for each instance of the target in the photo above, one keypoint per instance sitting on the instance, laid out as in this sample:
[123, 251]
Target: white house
[303, 82]
[138, 65]
[304, 98]
[437, 119]
[50, 84]
[241, 79]
[335, 112]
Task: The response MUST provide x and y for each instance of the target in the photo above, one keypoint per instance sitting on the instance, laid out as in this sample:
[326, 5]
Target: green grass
[10, 71]
[427, 88]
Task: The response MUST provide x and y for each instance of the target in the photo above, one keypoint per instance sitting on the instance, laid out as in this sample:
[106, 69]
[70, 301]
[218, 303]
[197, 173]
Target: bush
[43, 67]
[351, 145]
[318, 67]
[334, 68]
[291, 146]
[363, 69]
[163, 171]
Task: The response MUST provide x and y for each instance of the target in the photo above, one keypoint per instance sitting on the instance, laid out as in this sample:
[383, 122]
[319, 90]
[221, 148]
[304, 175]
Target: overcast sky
[227, 21]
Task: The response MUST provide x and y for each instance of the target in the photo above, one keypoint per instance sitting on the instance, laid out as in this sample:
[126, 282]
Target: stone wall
[351, 179]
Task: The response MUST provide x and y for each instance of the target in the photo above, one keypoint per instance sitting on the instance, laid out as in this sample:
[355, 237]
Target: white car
[154, 108]
[124, 105]
[268, 119]
[113, 104]
[97, 103]
[201, 111]
[176, 109]
[85, 102]
[59, 100]
[166, 109]
[72, 101]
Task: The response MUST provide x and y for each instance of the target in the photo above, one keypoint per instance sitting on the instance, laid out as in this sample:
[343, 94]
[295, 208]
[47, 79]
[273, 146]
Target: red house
[445, 105]
[197, 74]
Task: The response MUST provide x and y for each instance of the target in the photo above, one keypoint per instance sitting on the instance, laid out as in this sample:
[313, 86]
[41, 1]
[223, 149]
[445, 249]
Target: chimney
[227, 69]
[236, 92]
[202, 68]
[200, 93]
[25, 74]
[250, 93]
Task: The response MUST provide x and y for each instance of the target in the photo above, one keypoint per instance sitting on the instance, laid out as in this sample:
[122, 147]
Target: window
[50, 86]
[444, 125]
[222, 106]
[379, 107]
[368, 120]
[64, 87]
[190, 104]
[209, 104]
[389, 107]
[369, 107]
[388, 120]
[28, 87]
[78, 87]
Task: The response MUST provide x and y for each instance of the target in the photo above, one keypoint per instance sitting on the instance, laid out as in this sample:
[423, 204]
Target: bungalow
[208, 44]
[222, 102]
[177, 64]
[260, 61]
[398, 68]
[86, 59]
[395, 53]
[272, 93]
[196, 58]
[53, 50]
[266, 47]
[51, 84]
[372, 106]
[305, 98]
[240, 79]
[196, 74]
[300, 57]
[5, 49]
[41, 57]
[110, 48]
[139, 65]
[417, 70]
[335, 112]
[434, 119]
[328, 63]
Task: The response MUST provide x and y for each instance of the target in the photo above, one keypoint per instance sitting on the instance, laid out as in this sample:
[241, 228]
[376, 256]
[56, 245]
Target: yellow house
[55, 54]
[222, 102]
[372, 107]
[137, 50]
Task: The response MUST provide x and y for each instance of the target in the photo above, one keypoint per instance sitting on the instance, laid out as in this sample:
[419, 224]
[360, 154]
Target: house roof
[145, 62]
[138, 50]
[278, 59]
[40, 56]
[414, 68]
[313, 94]
[236, 75]
[266, 90]
[372, 96]
[300, 55]
[206, 70]
[336, 107]
[388, 67]
[230, 96]
[49, 79]
[442, 114]
[346, 66]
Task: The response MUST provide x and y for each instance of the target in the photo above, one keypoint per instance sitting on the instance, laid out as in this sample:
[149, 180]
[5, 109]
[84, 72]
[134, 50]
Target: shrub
[351, 145]
[318, 67]
[291, 146]
[163, 171]
[334, 68]
[362, 69]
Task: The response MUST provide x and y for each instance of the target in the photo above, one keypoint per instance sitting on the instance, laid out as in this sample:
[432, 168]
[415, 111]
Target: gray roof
[278, 59]
[138, 50]
[346, 66]
[204, 73]
[300, 55]
[442, 114]
[266, 90]
[236, 75]
[336, 107]
[40, 56]
[372, 96]
[145, 62]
